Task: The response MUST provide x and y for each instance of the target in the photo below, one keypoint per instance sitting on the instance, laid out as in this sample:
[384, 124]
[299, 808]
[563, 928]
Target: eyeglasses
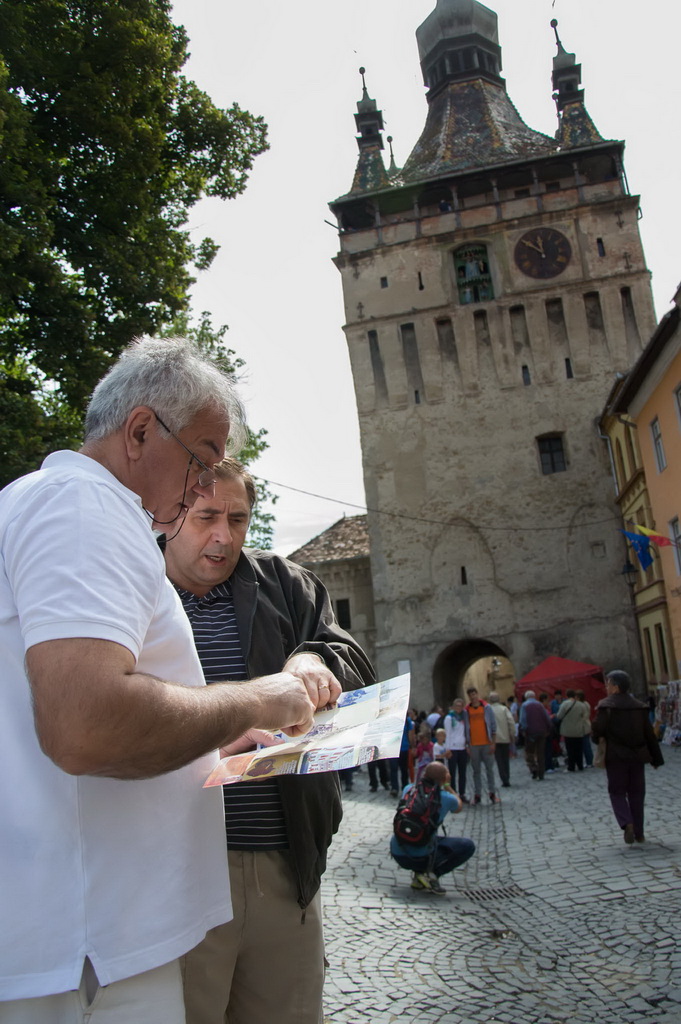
[207, 477]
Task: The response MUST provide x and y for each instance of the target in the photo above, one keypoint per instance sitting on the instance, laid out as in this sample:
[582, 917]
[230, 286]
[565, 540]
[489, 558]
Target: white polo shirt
[129, 873]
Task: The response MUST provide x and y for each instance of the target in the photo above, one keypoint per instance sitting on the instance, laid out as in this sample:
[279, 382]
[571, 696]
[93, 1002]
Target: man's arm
[95, 715]
[598, 726]
[456, 803]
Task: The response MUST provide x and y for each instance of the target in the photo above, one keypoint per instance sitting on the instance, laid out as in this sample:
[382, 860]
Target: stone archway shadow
[453, 662]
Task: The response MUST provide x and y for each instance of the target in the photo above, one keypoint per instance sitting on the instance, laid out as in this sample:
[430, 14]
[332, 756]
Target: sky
[273, 282]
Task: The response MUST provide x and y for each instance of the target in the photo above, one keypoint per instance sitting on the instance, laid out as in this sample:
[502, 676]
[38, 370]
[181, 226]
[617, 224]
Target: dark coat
[282, 609]
[624, 724]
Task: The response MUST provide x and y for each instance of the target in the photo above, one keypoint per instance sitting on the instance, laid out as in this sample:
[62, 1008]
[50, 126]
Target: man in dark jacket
[535, 723]
[623, 722]
[249, 611]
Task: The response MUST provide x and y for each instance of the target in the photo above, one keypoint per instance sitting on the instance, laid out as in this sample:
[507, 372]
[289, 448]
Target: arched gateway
[452, 664]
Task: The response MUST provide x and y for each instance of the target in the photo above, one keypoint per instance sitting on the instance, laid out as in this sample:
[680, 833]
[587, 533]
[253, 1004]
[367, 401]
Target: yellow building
[642, 421]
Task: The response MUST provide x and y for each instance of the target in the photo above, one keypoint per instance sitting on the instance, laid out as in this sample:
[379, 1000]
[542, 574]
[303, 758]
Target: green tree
[104, 148]
[33, 421]
[211, 340]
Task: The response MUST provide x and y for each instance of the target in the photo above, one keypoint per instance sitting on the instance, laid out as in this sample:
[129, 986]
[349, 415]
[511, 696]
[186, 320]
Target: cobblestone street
[553, 921]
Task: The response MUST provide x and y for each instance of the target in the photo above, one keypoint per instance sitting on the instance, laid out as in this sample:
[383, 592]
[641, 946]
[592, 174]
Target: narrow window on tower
[526, 375]
[464, 576]
[384, 282]
[473, 278]
[412, 362]
[568, 369]
[600, 246]
[421, 284]
[343, 612]
[376, 359]
[551, 454]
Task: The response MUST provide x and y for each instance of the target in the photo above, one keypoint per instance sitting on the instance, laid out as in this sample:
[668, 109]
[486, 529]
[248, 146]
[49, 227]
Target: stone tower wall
[451, 399]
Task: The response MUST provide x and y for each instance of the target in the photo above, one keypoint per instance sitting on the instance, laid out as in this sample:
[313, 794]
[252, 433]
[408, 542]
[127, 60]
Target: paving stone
[593, 935]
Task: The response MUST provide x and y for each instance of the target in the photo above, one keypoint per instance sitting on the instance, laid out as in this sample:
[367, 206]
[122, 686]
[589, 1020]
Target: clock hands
[538, 246]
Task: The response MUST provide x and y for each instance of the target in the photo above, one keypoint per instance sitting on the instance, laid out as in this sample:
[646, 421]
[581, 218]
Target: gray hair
[619, 679]
[493, 697]
[529, 694]
[174, 379]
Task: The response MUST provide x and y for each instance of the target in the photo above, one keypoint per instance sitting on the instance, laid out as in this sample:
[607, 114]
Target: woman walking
[630, 744]
[573, 717]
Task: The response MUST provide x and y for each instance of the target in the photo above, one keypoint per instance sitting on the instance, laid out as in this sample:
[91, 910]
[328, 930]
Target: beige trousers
[265, 965]
[154, 997]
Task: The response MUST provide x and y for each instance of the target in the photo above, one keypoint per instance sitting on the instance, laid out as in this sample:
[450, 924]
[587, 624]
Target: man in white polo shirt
[112, 856]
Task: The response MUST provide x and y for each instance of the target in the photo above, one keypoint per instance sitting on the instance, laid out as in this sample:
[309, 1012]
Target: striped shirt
[254, 815]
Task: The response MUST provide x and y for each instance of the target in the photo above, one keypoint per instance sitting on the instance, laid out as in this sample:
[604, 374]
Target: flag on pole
[641, 546]
[657, 538]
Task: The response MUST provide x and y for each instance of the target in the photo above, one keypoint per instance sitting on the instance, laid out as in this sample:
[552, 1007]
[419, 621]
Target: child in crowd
[424, 750]
[440, 746]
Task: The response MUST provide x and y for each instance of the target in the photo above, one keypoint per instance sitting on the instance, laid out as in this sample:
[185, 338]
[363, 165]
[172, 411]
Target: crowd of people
[550, 729]
[486, 734]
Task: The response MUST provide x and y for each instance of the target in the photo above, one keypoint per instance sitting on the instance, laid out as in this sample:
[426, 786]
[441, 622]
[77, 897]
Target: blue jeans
[451, 852]
[588, 751]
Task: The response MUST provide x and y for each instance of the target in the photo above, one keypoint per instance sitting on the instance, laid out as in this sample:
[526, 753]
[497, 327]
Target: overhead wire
[518, 528]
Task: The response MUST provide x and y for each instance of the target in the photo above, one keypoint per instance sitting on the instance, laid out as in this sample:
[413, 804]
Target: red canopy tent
[563, 674]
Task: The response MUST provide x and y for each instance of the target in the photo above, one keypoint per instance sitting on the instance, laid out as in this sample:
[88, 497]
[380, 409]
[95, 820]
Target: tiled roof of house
[348, 538]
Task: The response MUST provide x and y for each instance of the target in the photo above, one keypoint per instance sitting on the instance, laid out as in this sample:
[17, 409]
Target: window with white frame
[658, 447]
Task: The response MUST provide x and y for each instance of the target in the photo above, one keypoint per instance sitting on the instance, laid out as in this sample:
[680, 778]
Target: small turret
[370, 172]
[575, 127]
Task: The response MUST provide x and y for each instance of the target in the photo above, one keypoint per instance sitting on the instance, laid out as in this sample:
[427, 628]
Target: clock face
[542, 253]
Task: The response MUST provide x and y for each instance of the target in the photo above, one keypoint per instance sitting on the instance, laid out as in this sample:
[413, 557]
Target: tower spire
[370, 172]
[393, 169]
[471, 119]
[575, 127]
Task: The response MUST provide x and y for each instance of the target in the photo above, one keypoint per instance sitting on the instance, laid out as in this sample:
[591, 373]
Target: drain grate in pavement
[492, 893]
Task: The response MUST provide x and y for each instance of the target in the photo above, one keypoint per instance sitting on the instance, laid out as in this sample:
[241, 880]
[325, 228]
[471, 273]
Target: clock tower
[494, 286]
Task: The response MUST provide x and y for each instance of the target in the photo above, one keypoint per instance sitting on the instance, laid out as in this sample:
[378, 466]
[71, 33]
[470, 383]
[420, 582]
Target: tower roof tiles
[472, 124]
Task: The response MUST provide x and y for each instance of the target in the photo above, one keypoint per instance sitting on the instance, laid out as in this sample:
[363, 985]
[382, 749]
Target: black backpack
[418, 814]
